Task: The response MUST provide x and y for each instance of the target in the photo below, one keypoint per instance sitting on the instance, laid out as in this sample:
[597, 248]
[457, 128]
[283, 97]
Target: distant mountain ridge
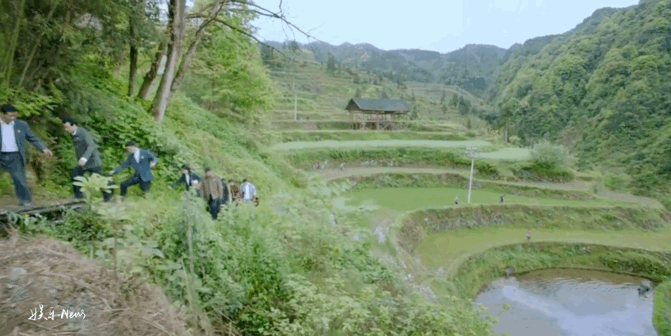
[471, 67]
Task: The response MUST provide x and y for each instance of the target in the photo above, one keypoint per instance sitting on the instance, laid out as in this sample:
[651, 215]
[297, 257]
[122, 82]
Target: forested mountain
[603, 89]
[519, 54]
[471, 67]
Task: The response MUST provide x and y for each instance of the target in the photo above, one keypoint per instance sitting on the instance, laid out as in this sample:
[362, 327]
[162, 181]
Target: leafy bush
[514, 140]
[546, 154]
[617, 181]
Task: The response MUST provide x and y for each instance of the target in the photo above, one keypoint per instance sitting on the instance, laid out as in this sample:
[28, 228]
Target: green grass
[662, 313]
[449, 249]
[406, 199]
[511, 154]
[380, 143]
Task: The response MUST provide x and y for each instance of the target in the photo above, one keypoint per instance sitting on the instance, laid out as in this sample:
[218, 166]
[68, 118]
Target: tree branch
[275, 15]
[188, 57]
[245, 33]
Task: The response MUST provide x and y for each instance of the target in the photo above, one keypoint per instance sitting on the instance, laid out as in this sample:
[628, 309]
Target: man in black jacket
[13, 156]
[88, 155]
[188, 179]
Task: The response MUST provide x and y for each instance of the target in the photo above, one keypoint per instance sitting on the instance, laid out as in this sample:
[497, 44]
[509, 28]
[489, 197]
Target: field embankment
[354, 144]
[343, 135]
[441, 179]
[483, 267]
[415, 226]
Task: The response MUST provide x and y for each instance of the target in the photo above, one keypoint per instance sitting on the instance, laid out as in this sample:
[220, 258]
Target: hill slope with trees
[471, 67]
[601, 89]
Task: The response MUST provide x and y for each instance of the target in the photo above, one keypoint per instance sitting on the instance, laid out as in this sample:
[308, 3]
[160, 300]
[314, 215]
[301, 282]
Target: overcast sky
[436, 25]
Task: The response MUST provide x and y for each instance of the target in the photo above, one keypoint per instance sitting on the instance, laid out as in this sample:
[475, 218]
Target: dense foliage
[601, 89]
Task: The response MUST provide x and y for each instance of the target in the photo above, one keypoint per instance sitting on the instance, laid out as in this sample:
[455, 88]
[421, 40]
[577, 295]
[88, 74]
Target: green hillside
[317, 93]
[472, 68]
[602, 90]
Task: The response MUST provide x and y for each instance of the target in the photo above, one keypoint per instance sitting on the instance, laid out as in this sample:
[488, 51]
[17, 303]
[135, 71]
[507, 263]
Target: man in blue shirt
[142, 161]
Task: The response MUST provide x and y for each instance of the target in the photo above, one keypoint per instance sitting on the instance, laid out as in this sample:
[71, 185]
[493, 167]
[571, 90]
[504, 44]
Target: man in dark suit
[188, 179]
[13, 156]
[142, 161]
[88, 154]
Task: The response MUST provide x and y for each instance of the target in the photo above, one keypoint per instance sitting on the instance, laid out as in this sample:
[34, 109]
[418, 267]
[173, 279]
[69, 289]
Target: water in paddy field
[569, 303]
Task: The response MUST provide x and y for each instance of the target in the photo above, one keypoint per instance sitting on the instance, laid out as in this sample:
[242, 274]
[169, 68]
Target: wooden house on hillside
[377, 113]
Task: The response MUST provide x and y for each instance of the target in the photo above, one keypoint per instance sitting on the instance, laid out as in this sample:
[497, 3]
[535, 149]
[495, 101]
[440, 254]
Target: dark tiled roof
[386, 105]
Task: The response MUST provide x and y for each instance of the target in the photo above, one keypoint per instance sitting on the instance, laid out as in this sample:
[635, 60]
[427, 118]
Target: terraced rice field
[407, 199]
[449, 249]
[509, 154]
[328, 144]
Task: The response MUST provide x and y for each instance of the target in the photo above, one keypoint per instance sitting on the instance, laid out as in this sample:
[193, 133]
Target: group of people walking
[215, 190]
[14, 133]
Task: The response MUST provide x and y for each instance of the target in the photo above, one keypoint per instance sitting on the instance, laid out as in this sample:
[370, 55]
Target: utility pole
[295, 102]
[472, 152]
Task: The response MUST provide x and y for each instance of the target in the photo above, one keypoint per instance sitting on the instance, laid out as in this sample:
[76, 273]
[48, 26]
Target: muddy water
[569, 303]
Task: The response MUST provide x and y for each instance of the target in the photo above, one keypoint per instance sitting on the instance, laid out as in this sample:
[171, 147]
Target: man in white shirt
[13, 156]
[248, 191]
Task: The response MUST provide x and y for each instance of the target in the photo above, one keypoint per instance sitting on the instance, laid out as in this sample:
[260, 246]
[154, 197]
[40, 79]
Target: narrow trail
[331, 174]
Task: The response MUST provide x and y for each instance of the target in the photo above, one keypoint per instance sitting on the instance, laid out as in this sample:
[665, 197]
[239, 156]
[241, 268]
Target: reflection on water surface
[569, 303]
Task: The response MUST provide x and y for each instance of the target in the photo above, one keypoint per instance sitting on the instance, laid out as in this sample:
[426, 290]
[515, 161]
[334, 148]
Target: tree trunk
[505, 132]
[176, 13]
[117, 69]
[133, 69]
[12, 46]
[188, 57]
[135, 17]
[153, 71]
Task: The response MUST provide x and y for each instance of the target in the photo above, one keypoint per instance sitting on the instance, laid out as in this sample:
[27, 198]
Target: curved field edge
[414, 226]
[417, 157]
[446, 179]
[661, 316]
[302, 145]
[341, 135]
[482, 268]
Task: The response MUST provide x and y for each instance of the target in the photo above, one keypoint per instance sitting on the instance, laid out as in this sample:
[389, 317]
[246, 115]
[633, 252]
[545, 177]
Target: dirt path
[330, 174]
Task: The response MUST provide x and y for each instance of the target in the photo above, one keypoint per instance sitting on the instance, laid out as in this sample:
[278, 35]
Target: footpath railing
[9, 213]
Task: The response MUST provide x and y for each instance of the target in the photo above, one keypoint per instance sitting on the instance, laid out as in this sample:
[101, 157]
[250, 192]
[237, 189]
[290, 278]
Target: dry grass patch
[51, 273]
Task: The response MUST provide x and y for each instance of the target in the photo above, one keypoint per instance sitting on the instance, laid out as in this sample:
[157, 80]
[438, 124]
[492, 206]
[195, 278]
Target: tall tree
[331, 63]
[191, 51]
[383, 94]
[135, 17]
[153, 71]
[176, 11]
[508, 110]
